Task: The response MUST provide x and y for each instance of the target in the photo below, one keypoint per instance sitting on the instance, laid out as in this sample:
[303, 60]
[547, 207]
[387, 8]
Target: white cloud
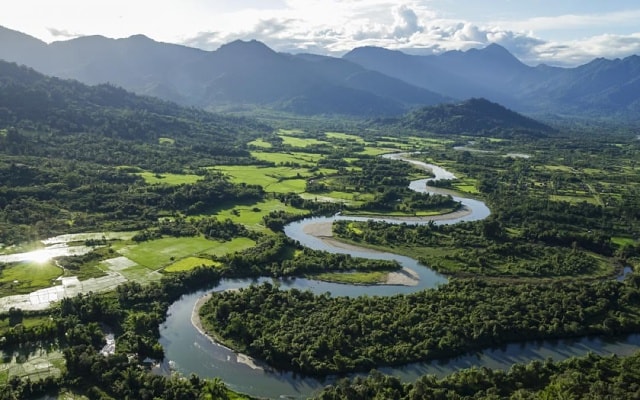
[575, 21]
[331, 26]
[62, 33]
[405, 22]
[578, 52]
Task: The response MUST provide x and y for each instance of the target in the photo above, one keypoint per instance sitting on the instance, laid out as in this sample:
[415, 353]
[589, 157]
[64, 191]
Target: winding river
[189, 351]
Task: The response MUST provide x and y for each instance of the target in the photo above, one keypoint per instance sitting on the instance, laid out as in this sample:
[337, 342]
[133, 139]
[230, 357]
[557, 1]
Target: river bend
[189, 351]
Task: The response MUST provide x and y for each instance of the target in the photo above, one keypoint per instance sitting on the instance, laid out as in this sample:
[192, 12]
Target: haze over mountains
[367, 81]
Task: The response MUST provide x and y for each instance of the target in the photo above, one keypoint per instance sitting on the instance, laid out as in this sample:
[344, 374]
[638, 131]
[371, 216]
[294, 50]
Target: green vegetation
[169, 179]
[322, 335]
[25, 277]
[306, 160]
[272, 179]
[160, 252]
[344, 136]
[589, 377]
[261, 143]
[252, 215]
[474, 249]
[476, 117]
[189, 263]
[357, 278]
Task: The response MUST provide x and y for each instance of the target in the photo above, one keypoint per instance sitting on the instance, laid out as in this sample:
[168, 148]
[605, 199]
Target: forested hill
[35, 102]
[473, 117]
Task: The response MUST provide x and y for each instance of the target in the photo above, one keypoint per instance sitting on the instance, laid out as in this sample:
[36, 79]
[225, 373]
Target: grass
[169, 179]
[341, 197]
[156, 254]
[272, 179]
[344, 136]
[301, 142]
[25, 277]
[189, 263]
[303, 159]
[251, 215]
[141, 274]
[354, 278]
[573, 199]
[231, 246]
[261, 143]
[376, 151]
[466, 186]
[386, 213]
[621, 241]
[290, 132]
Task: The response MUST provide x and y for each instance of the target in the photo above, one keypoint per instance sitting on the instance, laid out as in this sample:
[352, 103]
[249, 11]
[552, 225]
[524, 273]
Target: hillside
[473, 117]
[32, 104]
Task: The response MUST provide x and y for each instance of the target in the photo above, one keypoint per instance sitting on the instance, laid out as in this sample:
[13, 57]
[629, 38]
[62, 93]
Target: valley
[371, 249]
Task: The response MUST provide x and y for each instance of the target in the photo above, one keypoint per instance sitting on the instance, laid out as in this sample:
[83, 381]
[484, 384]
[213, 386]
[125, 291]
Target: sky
[553, 32]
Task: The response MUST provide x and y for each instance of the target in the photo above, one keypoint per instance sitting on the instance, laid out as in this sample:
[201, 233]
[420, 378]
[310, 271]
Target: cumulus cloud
[405, 22]
[414, 28]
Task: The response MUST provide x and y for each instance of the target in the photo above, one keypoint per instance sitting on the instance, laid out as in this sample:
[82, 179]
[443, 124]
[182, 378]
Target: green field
[574, 198]
[251, 215]
[376, 151]
[353, 198]
[25, 277]
[621, 241]
[272, 179]
[189, 263]
[37, 365]
[356, 278]
[260, 143]
[303, 159]
[156, 254]
[301, 142]
[344, 136]
[169, 179]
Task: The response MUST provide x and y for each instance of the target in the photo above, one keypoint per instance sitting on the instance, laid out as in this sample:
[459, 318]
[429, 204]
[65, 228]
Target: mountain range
[367, 81]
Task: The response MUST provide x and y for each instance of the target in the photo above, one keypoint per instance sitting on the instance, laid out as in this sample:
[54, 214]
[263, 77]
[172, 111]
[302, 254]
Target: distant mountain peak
[240, 47]
[371, 51]
[141, 38]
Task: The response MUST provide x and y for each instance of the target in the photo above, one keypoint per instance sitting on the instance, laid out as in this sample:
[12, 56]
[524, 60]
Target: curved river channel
[189, 351]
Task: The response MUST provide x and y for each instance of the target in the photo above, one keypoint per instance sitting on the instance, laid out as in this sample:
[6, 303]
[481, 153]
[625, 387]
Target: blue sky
[560, 32]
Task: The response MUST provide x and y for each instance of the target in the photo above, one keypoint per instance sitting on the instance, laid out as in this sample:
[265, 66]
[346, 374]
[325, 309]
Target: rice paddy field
[25, 277]
[35, 365]
[159, 253]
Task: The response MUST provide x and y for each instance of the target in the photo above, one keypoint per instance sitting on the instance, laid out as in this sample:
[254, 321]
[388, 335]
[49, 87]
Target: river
[188, 351]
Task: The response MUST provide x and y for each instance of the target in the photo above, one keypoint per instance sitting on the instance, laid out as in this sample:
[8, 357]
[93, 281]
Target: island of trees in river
[203, 197]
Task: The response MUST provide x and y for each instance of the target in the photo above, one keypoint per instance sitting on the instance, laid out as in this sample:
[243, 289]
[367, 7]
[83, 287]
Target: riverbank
[323, 231]
[197, 323]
